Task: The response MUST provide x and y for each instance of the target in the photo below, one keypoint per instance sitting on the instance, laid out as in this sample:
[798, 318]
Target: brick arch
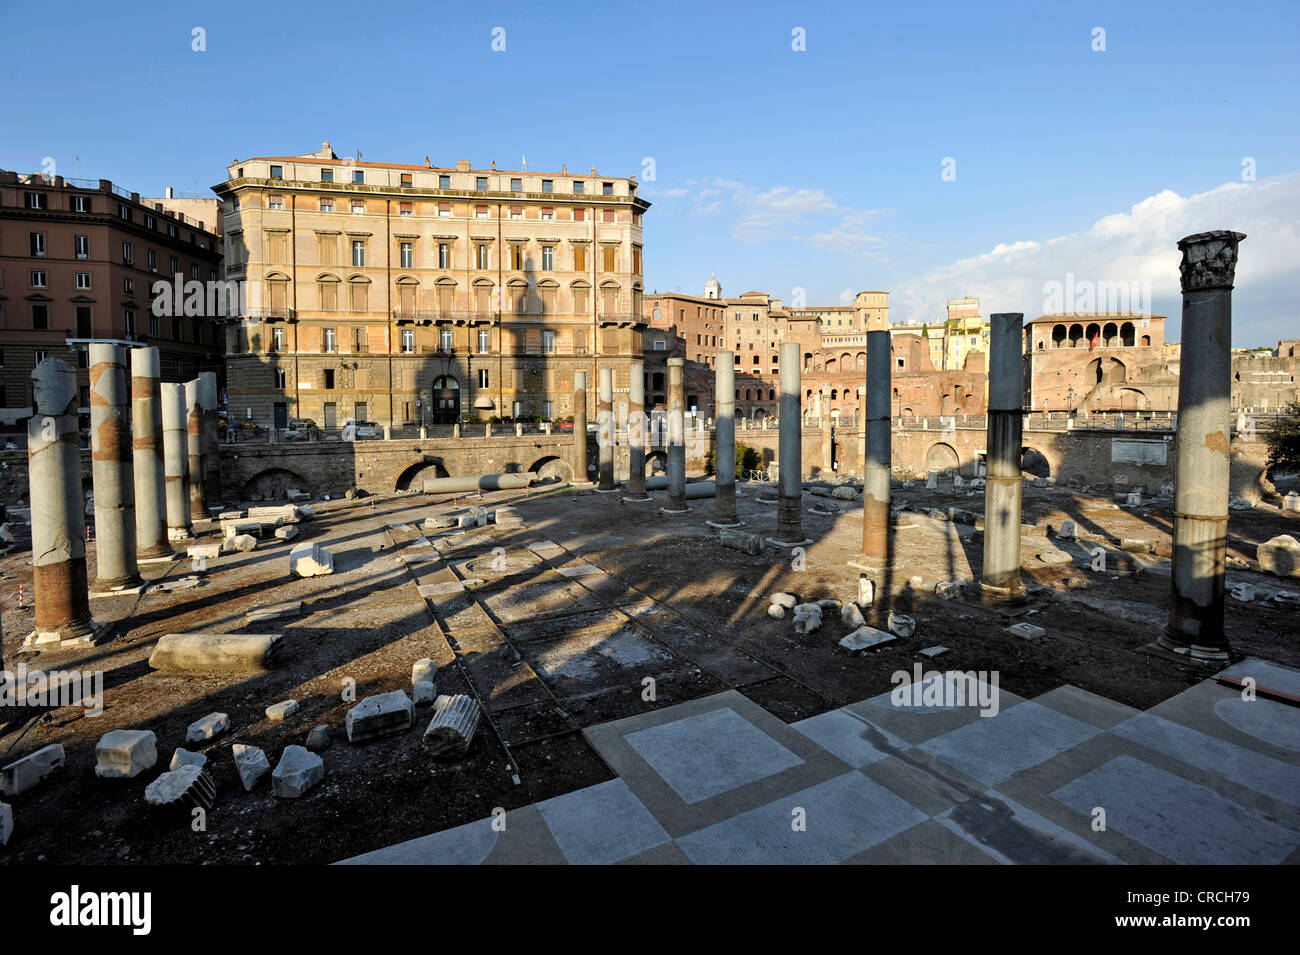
[272, 484]
[405, 478]
[551, 467]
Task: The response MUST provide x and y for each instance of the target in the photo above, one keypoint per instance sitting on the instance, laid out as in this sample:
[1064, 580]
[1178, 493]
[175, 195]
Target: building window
[609, 256]
[607, 215]
[548, 214]
[606, 188]
[661, 345]
[83, 280]
[444, 255]
[636, 259]
[408, 341]
[280, 378]
[444, 181]
[548, 185]
[36, 200]
[194, 271]
[277, 172]
[579, 258]
[480, 183]
[517, 257]
[81, 246]
[406, 179]
[153, 326]
[327, 175]
[358, 177]
[548, 342]
[37, 278]
[480, 212]
[152, 256]
[578, 187]
[40, 318]
[275, 202]
[407, 256]
[358, 253]
[328, 377]
[81, 203]
[277, 339]
[444, 339]
[483, 378]
[405, 208]
[548, 258]
[36, 244]
[481, 255]
[326, 204]
[484, 337]
[444, 209]
[331, 343]
[175, 266]
[128, 321]
[579, 215]
[516, 185]
[516, 212]
[358, 207]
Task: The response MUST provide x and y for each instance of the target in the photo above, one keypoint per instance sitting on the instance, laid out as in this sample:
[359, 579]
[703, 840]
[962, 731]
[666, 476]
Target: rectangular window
[407, 256]
[444, 209]
[358, 207]
[579, 258]
[328, 381]
[578, 187]
[548, 214]
[516, 212]
[607, 215]
[517, 257]
[444, 181]
[405, 208]
[326, 204]
[548, 258]
[277, 339]
[579, 215]
[548, 342]
[275, 202]
[408, 341]
[40, 318]
[483, 378]
[406, 179]
[484, 337]
[444, 255]
[154, 326]
[152, 256]
[636, 259]
[37, 278]
[83, 280]
[331, 342]
[128, 286]
[444, 339]
[81, 246]
[277, 172]
[516, 185]
[481, 255]
[81, 203]
[36, 244]
[84, 327]
[358, 176]
[358, 253]
[175, 265]
[548, 185]
[279, 378]
[609, 256]
[480, 183]
[36, 200]
[327, 175]
[128, 320]
[480, 212]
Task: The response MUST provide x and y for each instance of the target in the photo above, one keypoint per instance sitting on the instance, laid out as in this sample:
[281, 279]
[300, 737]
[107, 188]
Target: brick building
[406, 294]
[78, 261]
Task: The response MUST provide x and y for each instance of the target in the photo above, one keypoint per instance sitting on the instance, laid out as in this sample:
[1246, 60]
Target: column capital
[1209, 259]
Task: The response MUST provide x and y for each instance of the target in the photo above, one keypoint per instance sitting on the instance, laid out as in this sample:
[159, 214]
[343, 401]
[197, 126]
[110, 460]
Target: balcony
[272, 315]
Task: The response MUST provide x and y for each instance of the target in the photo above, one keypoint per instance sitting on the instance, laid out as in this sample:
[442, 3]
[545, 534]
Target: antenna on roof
[525, 161]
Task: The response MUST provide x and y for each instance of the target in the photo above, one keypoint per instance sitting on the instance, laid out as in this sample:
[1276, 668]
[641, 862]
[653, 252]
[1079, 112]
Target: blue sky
[779, 169]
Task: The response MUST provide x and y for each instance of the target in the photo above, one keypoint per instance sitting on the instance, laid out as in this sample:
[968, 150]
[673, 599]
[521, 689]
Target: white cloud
[676, 192]
[1140, 246]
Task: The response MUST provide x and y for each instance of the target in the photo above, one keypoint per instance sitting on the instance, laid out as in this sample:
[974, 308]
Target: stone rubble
[297, 771]
[251, 764]
[27, 773]
[380, 715]
[278, 712]
[214, 724]
[125, 754]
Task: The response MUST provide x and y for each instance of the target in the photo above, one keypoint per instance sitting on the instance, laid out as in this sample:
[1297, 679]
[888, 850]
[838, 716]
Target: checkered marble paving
[1068, 777]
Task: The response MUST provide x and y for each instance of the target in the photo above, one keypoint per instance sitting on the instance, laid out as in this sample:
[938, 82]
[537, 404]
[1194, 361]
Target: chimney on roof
[427, 163]
[564, 170]
[494, 165]
[170, 194]
[462, 165]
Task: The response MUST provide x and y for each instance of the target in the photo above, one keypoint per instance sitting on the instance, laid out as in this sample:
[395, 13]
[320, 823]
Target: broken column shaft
[176, 465]
[580, 426]
[676, 434]
[194, 448]
[724, 450]
[605, 427]
[211, 444]
[1202, 458]
[1001, 577]
[636, 430]
[111, 469]
[877, 460]
[789, 513]
[58, 509]
[147, 444]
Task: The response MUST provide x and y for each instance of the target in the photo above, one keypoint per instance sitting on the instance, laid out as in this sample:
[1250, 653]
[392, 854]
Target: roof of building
[1089, 316]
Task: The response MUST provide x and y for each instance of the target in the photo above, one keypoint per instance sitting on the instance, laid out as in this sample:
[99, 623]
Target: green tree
[747, 459]
[1284, 440]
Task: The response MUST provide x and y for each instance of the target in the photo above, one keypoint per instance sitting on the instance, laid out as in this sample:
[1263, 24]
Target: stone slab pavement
[1068, 777]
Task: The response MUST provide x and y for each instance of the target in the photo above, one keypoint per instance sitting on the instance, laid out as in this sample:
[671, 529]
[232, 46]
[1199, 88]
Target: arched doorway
[941, 457]
[1033, 461]
[446, 400]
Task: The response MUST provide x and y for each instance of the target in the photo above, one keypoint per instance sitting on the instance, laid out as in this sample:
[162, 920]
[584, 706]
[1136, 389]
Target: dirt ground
[671, 615]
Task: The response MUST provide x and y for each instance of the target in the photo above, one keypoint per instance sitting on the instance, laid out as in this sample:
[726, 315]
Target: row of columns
[153, 457]
[1195, 626]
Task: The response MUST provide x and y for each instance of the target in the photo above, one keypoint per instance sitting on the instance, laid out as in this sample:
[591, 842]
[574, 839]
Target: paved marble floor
[1068, 777]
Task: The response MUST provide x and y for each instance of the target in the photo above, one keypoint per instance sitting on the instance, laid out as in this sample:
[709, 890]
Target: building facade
[79, 261]
[409, 295]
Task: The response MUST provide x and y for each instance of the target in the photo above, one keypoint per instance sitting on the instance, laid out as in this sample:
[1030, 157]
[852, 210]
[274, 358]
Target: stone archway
[551, 470]
[414, 475]
[942, 457]
[1033, 461]
[274, 484]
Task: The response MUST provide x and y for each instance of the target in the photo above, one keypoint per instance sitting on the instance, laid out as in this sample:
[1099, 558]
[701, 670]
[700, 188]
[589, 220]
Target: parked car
[301, 429]
[368, 429]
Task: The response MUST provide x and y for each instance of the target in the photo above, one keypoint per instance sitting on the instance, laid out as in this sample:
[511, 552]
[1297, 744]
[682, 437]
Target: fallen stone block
[318, 739]
[451, 731]
[6, 823]
[933, 651]
[851, 615]
[274, 612]
[866, 591]
[751, 544]
[1055, 557]
[423, 691]
[125, 754]
[960, 515]
[1027, 630]
[424, 669]
[438, 523]
[214, 724]
[1136, 545]
[310, 560]
[1068, 531]
[864, 638]
[209, 551]
[251, 764]
[947, 590]
[167, 586]
[380, 715]
[279, 712]
[1291, 502]
[845, 493]
[183, 757]
[297, 771]
[1280, 556]
[900, 624]
[188, 787]
[776, 611]
[807, 618]
[238, 528]
[305, 511]
[788, 601]
[243, 542]
[275, 514]
[1239, 504]
[286, 533]
[26, 773]
[216, 652]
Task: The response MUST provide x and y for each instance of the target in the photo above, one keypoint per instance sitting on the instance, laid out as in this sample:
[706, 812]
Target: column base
[71, 638]
[674, 511]
[1010, 594]
[1172, 642]
[103, 589]
[607, 490]
[722, 524]
[788, 544]
[637, 500]
[163, 558]
[872, 565]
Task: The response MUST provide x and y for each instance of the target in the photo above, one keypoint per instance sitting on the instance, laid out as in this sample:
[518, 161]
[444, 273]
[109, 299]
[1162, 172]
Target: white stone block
[124, 754]
[424, 691]
[310, 560]
[424, 669]
[1280, 556]
[379, 715]
[297, 771]
[279, 712]
[251, 764]
[183, 757]
[214, 724]
[26, 773]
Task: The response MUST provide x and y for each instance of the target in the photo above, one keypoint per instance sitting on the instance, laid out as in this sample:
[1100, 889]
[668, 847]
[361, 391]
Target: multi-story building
[961, 333]
[79, 260]
[405, 294]
[1102, 361]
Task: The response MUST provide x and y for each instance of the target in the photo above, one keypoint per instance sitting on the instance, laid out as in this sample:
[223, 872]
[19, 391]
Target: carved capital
[1209, 259]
